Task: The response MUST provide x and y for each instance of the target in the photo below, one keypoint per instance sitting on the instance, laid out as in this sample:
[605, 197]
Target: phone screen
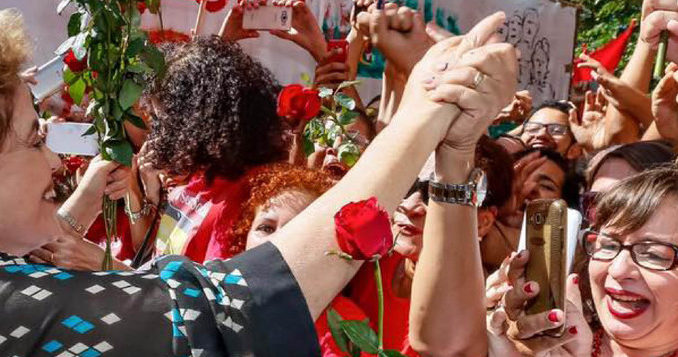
[50, 78]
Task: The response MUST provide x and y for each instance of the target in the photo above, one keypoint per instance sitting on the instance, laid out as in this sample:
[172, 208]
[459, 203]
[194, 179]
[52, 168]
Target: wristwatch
[71, 221]
[471, 194]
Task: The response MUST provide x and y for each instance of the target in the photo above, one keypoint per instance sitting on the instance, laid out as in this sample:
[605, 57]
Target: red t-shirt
[348, 310]
[363, 291]
[198, 218]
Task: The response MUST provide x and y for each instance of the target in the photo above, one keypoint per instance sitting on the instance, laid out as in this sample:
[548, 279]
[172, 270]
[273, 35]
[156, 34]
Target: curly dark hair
[268, 183]
[216, 111]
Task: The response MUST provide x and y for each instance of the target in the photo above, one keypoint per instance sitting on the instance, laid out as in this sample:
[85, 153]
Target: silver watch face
[479, 178]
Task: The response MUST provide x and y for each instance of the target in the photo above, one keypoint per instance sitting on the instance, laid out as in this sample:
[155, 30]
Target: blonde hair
[15, 49]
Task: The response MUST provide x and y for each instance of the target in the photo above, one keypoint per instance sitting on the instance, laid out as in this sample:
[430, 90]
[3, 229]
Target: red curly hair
[270, 182]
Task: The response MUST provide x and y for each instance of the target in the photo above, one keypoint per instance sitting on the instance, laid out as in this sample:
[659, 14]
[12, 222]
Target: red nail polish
[528, 289]
[572, 330]
[575, 280]
[553, 316]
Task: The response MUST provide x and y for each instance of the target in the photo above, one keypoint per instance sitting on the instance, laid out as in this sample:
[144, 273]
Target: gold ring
[478, 80]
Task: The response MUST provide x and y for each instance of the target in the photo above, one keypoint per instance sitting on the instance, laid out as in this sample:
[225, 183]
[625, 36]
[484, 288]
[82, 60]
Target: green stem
[660, 65]
[380, 297]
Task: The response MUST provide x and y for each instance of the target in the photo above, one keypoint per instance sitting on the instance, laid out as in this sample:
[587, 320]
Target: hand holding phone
[546, 240]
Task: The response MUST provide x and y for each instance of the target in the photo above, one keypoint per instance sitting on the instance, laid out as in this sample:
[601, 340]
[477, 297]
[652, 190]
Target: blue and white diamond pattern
[36, 293]
[126, 287]
[79, 349]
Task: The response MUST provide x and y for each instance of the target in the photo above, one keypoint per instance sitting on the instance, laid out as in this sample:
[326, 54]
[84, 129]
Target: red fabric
[123, 248]
[364, 293]
[348, 310]
[609, 56]
[161, 36]
[214, 238]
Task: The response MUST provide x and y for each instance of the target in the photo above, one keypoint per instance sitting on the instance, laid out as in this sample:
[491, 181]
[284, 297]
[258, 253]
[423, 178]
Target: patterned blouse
[250, 305]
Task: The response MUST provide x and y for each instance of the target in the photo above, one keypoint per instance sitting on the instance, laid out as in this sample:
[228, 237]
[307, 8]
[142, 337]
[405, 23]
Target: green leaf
[139, 67]
[79, 49]
[91, 108]
[309, 147]
[154, 58]
[349, 153]
[120, 151]
[333, 321]
[117, 112]
[347, 117]
[65, 46]
[77, 90]
[345, 101]
[348, 84]
[390, 353]
[361, 335]
[136, 121]
[135, 47]
[305, 78]
[129, 94]
[153, 6]
[70, 77]
[91, 131]
[325, 92]
[74, 24]
[62, 5]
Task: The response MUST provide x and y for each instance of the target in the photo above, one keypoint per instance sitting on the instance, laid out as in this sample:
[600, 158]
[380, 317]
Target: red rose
[73, 64]
[214, 5]
[73, 163]
[363, 230]
[141, 6]
[298, 103]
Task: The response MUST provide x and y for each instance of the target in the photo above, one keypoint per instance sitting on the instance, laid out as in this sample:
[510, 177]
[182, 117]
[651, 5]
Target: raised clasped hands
[474, 73]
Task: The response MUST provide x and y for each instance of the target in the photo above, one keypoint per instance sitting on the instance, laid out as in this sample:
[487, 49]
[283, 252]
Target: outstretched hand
[232, 29]
[664, 105]
[305, 31]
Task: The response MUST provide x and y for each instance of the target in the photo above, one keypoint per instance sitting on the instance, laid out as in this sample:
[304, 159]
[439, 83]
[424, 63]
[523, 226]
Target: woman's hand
[71, 253]
[330, 74]
[590, 132]
[481, 83]
[398, 32]
[525, 331]
[305, 30]
[522, 185]
[517, 111]
[664, 105]
[147, 174]
[104, 178]
[231, 29]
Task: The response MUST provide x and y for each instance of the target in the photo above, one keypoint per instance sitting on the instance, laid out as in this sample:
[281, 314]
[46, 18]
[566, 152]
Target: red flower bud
[141, 6]
[363, 230]
[214, 5]
[73, 163]
[73, 64]
[297, 103]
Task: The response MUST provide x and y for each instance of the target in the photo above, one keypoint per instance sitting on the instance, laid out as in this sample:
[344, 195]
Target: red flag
[609, 55]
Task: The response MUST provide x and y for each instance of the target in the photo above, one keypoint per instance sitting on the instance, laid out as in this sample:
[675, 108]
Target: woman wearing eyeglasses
[633, 254]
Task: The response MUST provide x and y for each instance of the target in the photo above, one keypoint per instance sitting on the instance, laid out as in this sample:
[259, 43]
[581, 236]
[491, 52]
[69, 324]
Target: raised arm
[385, 171]
[448, 286]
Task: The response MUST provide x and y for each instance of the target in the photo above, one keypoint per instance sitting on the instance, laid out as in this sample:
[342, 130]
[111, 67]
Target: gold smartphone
[546, 240]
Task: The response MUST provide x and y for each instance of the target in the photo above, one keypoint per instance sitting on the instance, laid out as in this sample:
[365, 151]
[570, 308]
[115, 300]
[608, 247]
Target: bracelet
[145, 211]
[71, 221]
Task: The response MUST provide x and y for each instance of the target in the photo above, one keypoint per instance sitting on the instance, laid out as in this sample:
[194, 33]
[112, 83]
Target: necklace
[598, 342]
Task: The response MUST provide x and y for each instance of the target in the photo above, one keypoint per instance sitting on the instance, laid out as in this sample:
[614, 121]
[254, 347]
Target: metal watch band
[71, 221]
[451, 193]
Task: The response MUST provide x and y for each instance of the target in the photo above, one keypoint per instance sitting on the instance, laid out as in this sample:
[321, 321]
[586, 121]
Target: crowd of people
[224, 220]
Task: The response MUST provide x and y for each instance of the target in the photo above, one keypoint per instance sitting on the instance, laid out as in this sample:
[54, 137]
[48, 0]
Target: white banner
[543, 30]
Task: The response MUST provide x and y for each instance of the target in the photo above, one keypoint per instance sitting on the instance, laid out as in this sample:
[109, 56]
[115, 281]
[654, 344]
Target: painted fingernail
[575, 280]
[528, 288]
[520, 255]
[554, 316]
[572, 330]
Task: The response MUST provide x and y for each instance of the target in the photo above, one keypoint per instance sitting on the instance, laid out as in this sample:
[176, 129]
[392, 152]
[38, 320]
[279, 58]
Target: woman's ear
[486, 218]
